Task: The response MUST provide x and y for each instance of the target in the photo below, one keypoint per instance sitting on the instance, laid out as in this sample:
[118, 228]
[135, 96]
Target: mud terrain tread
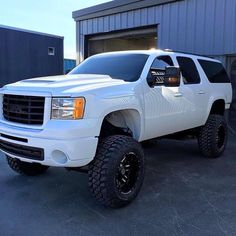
[207, 136]
[104, 163]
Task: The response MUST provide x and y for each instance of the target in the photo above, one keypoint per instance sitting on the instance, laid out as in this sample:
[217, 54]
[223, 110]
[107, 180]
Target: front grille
[22, 151]
[23, 109]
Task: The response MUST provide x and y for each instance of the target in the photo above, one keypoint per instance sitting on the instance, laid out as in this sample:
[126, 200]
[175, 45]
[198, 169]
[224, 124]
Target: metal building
[26, 54]
[69, 64]
[206, 27]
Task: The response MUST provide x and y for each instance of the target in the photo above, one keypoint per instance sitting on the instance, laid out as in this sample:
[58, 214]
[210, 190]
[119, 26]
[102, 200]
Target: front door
[164, 106]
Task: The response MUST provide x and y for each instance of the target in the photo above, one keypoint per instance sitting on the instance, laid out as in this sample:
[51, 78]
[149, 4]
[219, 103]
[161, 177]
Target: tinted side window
[158, 67]
[189, 70]
[214, 71]
[161, 62]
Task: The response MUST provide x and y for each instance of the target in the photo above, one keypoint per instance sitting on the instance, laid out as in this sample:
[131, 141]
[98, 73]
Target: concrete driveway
[183, 194]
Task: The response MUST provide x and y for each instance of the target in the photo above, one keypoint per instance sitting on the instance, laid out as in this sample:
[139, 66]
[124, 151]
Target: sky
[47, 16]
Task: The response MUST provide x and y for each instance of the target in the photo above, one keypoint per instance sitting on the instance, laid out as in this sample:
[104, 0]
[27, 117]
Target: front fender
[128, 106]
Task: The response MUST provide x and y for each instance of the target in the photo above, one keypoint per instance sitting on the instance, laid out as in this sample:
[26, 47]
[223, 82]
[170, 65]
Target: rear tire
[213, 137]
[24, 168]
[117, 172]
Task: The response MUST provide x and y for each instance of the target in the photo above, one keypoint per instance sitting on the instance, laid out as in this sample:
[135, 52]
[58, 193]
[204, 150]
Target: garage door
[137, 39]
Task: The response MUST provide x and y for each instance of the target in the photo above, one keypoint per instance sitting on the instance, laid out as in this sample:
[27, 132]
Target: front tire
[213, 137]
[117, 172]
[24, 168]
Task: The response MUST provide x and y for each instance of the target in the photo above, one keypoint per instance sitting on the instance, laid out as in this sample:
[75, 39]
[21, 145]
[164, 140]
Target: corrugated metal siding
[24, 55]
[198, 26]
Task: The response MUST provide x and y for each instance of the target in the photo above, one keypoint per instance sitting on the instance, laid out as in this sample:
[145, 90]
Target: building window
[51, 51]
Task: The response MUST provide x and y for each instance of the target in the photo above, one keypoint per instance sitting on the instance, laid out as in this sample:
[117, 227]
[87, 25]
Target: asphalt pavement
[183, 194]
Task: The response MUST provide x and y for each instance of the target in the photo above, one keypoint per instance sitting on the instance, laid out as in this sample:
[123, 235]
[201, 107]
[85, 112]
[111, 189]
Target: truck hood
[65, 85]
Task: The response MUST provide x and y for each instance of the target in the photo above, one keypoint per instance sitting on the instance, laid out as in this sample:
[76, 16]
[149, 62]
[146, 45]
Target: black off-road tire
[213, 136]
[24, 168]
[109, 167]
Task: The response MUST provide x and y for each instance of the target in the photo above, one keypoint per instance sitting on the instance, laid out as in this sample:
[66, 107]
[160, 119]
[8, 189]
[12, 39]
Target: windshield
[126, 67]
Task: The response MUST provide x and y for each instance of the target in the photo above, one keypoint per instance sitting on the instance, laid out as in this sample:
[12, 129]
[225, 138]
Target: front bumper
[64, 143]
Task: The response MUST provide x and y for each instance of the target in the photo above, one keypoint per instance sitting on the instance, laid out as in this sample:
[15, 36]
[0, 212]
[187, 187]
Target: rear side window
[214, 71]
[189, 70]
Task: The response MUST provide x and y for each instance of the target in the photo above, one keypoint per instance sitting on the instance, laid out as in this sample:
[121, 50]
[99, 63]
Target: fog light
[59, 157]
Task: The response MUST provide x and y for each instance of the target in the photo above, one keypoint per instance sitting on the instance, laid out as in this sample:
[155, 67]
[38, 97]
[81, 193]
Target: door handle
[200, 92]
[178, 95]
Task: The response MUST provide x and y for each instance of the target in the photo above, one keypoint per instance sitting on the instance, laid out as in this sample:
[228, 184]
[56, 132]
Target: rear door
[193, 91]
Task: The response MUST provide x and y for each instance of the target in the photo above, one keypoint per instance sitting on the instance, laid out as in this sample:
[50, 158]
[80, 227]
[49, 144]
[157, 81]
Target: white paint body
[148, 112]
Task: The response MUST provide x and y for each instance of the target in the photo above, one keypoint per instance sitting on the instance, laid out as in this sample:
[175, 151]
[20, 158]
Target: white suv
[95, 117]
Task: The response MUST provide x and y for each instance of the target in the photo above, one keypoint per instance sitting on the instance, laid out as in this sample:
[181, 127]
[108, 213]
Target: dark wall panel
[24, 55]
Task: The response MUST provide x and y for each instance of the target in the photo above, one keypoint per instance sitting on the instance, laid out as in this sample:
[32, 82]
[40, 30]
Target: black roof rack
[188, 53]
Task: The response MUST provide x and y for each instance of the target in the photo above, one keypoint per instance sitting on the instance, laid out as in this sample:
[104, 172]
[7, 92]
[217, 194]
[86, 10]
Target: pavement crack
[215, 212]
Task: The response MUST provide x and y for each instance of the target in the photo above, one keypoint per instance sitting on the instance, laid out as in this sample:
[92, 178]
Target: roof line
[102, 7]
[116, 6]
[30, 31]
[187, 53]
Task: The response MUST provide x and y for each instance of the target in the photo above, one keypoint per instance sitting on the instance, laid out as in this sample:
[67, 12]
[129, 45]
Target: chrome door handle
[201, 92]
[178, 95]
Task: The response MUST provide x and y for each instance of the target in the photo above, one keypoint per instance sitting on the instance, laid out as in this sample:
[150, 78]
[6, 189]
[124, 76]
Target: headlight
[68, 108]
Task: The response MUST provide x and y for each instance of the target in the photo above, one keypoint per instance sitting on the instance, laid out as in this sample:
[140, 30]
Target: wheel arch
[129, 119]
[217, 107]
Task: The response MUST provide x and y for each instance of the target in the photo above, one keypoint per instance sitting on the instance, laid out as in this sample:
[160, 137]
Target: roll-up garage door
[135, 39]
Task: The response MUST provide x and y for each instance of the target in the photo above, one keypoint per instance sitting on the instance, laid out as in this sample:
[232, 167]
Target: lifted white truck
[95, 117]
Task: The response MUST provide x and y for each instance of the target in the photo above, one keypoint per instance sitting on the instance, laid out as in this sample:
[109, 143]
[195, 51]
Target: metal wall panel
[124, 21]
[151, 15]
[198, 26]
[69, 64]
[24, 55]
[118, 21]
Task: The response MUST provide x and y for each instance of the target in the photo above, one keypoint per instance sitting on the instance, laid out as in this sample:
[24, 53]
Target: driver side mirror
[172, 76]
